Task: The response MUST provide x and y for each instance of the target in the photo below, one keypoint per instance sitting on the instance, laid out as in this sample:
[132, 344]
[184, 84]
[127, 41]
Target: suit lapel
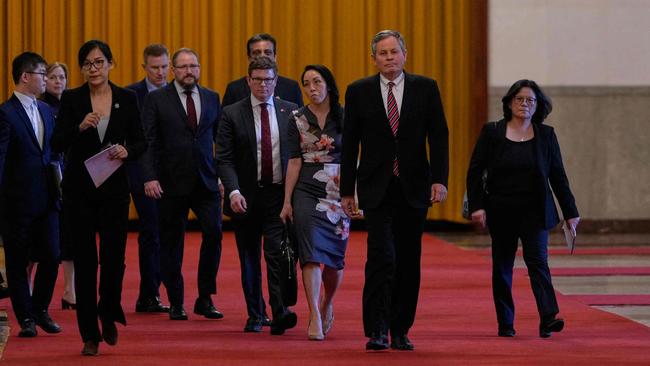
[249, 124]
[378, 101]
[282, 116]
[25, 118]
[175, 101]
[407, 100]
[204, 105]
[47, 127]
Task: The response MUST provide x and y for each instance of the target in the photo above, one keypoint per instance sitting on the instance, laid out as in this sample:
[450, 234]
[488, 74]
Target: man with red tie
[179, 170]
[394, 115]
[252, 153]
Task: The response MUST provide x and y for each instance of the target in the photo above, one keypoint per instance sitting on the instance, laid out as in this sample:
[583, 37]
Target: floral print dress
[321, 226]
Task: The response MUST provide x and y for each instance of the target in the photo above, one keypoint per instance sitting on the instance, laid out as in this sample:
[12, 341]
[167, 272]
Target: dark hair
[154, 50]
[54, 65]
[262, 63]
[259, 38]
[91, 45]
[25, 62]
[183, 50]
[332, 91]
[544, 106]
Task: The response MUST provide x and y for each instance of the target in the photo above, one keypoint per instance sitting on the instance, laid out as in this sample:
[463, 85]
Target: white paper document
[569, 236]
[100, 166]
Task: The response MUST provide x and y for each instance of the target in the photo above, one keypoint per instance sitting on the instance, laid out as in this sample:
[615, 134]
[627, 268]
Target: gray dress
[321, 226]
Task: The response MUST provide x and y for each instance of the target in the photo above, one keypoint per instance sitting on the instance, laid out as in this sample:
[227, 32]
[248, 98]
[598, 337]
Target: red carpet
[455, 324]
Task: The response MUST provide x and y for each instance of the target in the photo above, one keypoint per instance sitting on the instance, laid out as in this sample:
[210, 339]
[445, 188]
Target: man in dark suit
[393, 115]
[252, 152]
[179, 170]
[156, 66]
[29, 202]
[263, 44]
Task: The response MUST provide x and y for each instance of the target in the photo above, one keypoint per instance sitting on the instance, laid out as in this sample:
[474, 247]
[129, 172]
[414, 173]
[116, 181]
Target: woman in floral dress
[312, 200]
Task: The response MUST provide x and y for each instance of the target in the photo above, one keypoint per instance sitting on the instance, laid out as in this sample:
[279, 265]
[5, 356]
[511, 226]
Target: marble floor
[587, 284]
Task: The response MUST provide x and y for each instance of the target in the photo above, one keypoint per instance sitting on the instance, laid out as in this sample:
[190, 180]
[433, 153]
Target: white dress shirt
[195, 96]
[398, 91]
[31, 108]
[275, 138]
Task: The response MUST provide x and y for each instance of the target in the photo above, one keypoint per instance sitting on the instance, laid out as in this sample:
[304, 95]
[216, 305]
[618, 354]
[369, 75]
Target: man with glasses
[252, 153]
[156, 67]
[263, 44]
[179, 170]
[29, 205]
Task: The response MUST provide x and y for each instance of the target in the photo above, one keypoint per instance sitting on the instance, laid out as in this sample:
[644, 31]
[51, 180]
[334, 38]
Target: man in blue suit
[156, 66]
[179, 170]
[29, 200]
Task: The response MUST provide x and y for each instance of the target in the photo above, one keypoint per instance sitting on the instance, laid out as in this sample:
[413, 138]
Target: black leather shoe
[150, 305]
[506, 330]
[377, 342]
[109, 332]
[285, 321]
[46, 323]
[91, 348]
[205, 307]
[27, 328]
[402, 343]
[176, 312]
[553, 325]
[266, 321]
[253, 325]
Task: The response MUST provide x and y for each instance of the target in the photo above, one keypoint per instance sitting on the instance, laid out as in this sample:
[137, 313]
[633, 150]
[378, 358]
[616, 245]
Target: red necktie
[267, 152]
[393, 118]
[191, 111]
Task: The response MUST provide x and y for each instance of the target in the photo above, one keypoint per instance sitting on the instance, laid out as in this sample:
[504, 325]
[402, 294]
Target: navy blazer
[141, 91]
[26, 185]
[549, 168]
[124, 127]
[237, 147]
[177, 157]
[285, 89]
[422, 120]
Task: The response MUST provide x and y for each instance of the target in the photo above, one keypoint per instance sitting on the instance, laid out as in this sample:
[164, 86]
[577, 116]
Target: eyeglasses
[98, 64]
[186, 67]
[42, 73]
[266, 81]
[528, 100]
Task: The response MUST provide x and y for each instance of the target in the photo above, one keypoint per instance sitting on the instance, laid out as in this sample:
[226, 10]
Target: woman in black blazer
[521, 157]
[92, 117]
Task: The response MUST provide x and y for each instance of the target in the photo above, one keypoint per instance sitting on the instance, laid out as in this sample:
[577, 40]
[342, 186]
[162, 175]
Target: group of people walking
[273, 160]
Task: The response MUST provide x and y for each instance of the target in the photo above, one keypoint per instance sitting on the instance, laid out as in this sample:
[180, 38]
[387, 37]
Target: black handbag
[288, 273]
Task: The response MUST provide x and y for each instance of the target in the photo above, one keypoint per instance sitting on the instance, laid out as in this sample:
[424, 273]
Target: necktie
[266, 149]
[393, 118]
[38, 131]
[191, 111]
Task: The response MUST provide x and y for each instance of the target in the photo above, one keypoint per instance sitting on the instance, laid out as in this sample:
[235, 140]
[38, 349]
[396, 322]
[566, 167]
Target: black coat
[422, 120]
[549, 168]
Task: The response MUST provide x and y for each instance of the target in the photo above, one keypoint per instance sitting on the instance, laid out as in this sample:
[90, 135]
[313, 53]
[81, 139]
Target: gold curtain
[440, 37]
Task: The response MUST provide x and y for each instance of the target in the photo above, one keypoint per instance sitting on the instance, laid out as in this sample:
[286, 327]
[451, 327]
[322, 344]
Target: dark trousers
[84, 219]
[173, 220]
[148, 237]
[392, 273]
[261, 221]
[33, 239]
[506, 228]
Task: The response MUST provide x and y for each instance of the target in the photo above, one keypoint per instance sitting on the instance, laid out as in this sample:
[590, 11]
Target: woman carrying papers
[95, 115]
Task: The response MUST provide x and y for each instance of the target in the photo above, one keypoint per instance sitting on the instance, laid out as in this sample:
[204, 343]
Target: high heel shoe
[315, 333]
[65, 305]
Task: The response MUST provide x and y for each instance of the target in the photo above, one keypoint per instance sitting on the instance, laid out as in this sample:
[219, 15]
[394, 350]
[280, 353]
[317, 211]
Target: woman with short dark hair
[93, 117]
[522, 159]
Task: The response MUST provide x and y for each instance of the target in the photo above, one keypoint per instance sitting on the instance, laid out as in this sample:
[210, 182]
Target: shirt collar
[151, 86]
[255, 102]
[180, 89]
[24, 99]
[398, 80]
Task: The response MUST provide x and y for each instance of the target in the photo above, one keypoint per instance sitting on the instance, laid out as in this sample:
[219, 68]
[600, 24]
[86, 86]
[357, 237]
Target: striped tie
[393, 118]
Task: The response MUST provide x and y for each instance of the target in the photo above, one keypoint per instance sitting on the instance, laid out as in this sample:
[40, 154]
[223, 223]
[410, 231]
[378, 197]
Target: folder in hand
[100, 166]
[569, 236]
